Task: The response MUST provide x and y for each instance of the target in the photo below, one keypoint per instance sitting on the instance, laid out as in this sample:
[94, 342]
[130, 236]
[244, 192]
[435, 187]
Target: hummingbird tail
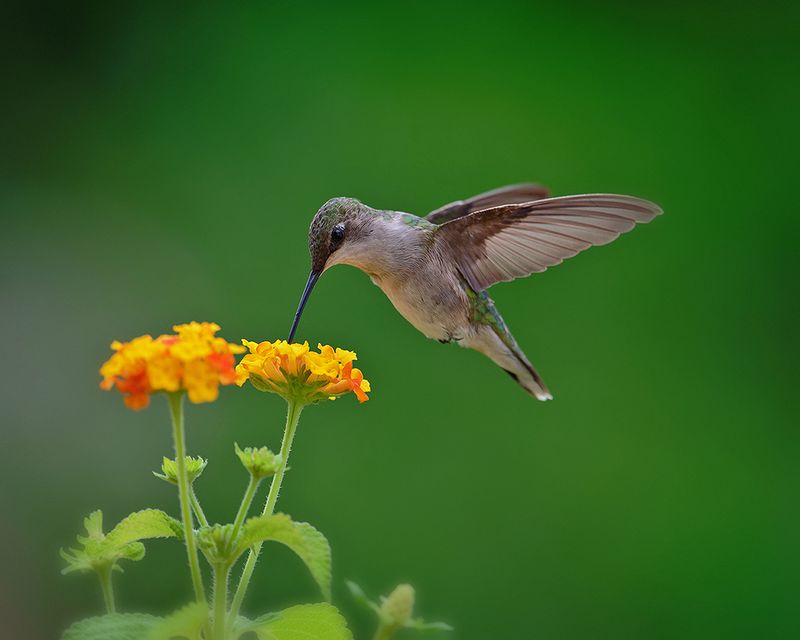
[528, 378]
[504, 351]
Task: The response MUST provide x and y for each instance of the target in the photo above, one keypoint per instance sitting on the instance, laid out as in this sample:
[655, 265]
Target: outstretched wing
[512, 194]
[512, 241]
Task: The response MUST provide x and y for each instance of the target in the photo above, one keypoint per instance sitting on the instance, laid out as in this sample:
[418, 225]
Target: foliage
[303, 622]
[99, 551]
[193, 363]
[186, 622]
[169, 469]
[259, 462]
[307, 542]
[395, 611]
[114, 626]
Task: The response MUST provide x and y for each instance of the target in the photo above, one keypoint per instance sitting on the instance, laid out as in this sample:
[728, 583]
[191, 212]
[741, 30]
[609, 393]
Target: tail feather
[530, 380]
[492, 338]
[504, 351]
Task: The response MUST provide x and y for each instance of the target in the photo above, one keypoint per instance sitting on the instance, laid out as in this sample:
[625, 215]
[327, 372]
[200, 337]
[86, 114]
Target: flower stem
[176, 411]
[244, 507]
[198, 510]
[384, 631]
[292, 418]
[221, 573]
[108, 588]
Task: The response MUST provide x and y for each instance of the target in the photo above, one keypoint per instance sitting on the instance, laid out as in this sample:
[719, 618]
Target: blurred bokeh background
[161, 164]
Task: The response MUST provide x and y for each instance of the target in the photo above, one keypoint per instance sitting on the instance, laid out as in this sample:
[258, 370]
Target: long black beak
[312, 280]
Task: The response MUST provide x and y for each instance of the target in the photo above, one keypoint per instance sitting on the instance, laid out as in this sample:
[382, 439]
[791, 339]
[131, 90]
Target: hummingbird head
[337, 223]
[336, 227]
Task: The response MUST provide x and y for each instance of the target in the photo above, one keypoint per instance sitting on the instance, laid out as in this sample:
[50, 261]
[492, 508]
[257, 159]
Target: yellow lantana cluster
[299, 374]
[193, 359]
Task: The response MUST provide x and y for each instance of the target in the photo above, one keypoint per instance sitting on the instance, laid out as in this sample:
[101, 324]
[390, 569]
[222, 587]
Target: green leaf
[305, 622]
[184, 623]
[115, 626]
[142, 525]
[131, 551]
[76, 559]
[99, 551]
[420, 625]
[360, 597]
[300, 537]
[94, 525]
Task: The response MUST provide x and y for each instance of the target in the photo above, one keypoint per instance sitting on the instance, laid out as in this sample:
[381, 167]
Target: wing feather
[514, 240]
[512, 194]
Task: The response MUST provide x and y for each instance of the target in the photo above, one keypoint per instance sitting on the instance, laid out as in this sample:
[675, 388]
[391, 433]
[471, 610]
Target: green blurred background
[160, 165]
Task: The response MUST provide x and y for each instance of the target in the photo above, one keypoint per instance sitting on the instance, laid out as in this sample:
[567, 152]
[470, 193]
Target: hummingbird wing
[512, 241]
[511, 194]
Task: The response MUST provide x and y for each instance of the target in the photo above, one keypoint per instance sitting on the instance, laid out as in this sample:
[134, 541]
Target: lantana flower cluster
[193, 359]
[300, 375]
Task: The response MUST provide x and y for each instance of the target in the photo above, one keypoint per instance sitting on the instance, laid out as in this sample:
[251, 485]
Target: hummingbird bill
[436, 269]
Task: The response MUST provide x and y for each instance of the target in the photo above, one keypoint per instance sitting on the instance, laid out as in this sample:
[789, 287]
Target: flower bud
[398, 607]
[169, 469]
[217, 542]
[260, 463]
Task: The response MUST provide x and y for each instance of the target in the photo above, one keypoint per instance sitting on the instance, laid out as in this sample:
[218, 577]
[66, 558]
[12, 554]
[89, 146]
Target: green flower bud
[169, 468]
[217, 542]
[260, 463]
[398, 607]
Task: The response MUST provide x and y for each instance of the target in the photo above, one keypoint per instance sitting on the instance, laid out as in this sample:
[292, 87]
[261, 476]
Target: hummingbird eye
[337, 233]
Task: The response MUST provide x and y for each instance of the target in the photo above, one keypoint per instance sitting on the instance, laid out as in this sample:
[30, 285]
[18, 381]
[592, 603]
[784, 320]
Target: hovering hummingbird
[436, 269]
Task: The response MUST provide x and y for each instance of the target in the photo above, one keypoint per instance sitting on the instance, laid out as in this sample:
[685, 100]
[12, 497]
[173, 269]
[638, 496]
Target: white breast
[409, 304]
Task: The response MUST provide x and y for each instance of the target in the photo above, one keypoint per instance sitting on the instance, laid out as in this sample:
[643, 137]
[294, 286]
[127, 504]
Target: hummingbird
[436, 269]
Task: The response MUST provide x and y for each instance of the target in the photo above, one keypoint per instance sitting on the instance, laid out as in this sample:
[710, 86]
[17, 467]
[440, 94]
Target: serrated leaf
[115, 626]
[143, 525]
[94, 525]
[307, 542]
[131, 551]
[184, 623]
[305, 622]
[121, 543]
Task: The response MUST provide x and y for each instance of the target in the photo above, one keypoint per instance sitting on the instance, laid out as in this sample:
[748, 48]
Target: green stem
[244, 507]
[385, 631]
[108, 588]
[292, 418]
[176, 411]
[198, 510]
[221, 573]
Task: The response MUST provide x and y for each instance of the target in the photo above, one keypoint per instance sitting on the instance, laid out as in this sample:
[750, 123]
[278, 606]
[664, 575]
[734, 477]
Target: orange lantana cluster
[299, 374]
[193, 359]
